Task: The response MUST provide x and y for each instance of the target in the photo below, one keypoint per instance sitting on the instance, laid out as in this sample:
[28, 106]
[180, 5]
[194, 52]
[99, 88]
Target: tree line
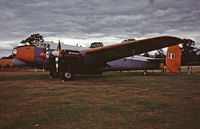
[190, 55]
[33, 39]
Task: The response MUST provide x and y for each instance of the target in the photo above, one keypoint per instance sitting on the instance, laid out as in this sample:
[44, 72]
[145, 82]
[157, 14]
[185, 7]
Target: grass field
[114, 100]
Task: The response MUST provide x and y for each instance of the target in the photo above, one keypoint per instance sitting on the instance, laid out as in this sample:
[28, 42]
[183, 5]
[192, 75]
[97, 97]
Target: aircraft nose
[24, 53]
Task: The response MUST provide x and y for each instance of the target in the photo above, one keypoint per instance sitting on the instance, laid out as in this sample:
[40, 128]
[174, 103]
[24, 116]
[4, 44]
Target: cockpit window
[14, 52]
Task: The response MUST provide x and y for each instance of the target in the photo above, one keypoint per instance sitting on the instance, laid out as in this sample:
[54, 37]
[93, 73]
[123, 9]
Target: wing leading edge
[117, 51]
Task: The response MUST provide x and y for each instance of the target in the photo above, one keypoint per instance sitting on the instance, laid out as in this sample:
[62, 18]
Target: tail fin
[173, 58]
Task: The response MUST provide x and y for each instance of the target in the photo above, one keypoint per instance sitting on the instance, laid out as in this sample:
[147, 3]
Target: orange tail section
[173, 58]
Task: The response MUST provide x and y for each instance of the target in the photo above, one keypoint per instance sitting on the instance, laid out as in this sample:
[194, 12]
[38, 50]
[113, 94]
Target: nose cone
[25, 53]
[18, 63]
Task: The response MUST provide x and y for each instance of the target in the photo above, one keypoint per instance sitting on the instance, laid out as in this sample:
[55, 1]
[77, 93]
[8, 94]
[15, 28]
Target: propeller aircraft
[64, 63]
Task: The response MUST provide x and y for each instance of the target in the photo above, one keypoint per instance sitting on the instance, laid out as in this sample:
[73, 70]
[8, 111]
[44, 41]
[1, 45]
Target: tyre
[67, 76]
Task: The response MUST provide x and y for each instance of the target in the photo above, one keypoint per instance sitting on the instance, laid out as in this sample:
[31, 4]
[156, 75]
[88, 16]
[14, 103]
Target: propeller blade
[59, 46]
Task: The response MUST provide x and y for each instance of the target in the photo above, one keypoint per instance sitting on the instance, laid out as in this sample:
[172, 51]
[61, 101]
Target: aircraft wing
[117, 51]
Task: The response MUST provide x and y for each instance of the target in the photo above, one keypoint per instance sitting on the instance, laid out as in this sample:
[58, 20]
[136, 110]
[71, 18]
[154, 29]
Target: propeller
[56, 53]
[53, 61]
[51, 58]
[59, 46]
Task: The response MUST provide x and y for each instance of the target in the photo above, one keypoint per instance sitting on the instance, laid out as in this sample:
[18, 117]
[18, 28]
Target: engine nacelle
[173, 58]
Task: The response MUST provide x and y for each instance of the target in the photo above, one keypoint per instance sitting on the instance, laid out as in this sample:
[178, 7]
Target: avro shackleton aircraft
[67, 62]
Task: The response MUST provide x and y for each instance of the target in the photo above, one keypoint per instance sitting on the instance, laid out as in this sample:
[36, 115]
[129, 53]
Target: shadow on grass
[79, 77]
[116, 74]
[24, 77]
[130, 73]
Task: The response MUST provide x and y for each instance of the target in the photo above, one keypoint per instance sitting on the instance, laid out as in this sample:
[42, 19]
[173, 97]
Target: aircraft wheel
[145, 72]
[67, 76]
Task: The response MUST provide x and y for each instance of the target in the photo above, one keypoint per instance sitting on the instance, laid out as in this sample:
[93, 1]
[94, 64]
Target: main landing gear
[58, 69]
[67, 76]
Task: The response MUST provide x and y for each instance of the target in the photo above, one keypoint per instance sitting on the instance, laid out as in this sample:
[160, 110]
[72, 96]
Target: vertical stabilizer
[173, 58]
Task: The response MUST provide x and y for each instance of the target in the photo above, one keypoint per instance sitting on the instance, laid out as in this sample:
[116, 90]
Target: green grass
[113, 100]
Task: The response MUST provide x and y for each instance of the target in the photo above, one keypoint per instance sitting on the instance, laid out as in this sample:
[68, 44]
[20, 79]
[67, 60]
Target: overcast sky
[86, 21]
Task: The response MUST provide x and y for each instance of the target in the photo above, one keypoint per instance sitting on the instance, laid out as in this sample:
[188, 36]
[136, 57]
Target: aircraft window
[171, 55]
[96, 44]
[14, 52]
